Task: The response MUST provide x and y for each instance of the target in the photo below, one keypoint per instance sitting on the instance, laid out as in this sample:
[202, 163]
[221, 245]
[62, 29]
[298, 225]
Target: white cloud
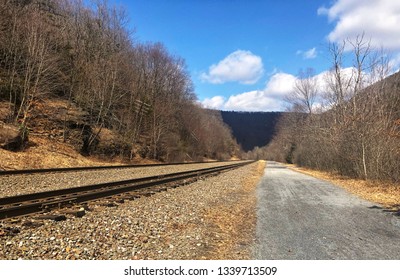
[240, 66]
[215, 102]
[310, 54]
[272, 97]
[280, 84]
[268, 99]
[379, 20]
[256, 100]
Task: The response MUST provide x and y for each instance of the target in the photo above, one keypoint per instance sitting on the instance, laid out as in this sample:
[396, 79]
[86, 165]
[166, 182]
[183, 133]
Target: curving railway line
[42, 202]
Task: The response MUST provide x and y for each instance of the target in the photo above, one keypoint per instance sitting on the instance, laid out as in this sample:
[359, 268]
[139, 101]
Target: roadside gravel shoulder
[209, 219]
[386, 194]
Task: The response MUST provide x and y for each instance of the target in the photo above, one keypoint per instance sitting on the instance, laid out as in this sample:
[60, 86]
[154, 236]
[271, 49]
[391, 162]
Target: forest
[133, 99]
[351, 125]
[252, 129]
[137, 93]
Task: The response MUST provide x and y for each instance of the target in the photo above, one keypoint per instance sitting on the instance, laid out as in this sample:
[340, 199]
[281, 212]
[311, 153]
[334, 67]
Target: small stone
[79, 213]
[31, 224]
[56, 218]
[13, 230]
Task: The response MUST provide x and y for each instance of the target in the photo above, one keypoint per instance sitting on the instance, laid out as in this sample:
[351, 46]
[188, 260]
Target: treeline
[87, 55]
[355, 128]
[252, 129]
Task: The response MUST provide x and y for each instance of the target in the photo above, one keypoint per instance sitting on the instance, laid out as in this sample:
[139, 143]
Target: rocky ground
[22, 184]
[210, 219]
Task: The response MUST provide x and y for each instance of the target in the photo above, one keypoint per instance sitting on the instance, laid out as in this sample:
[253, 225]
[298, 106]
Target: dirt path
[301, 217]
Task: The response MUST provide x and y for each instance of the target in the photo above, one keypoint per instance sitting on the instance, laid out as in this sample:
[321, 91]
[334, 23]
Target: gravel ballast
[30, 183]
[202, 220]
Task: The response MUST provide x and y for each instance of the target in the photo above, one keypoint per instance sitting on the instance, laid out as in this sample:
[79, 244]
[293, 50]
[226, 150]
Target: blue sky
[244, 54]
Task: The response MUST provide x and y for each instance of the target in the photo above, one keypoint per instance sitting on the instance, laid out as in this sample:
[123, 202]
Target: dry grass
[235, 220]
[45, 153]
[384, 193]
[46, 150]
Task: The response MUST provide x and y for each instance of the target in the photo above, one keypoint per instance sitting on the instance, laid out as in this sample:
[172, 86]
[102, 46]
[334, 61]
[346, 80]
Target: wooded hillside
[357, 131]
[252, 129]
[122, 97]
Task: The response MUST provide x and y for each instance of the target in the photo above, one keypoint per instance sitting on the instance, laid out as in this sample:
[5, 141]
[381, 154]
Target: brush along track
[44, 201]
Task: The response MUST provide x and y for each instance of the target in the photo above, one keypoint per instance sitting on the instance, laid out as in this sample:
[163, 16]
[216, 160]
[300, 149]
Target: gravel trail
[301, 217]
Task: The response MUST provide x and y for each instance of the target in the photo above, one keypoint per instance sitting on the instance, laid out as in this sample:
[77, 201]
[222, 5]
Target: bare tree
[305, 91]
[356, 136]
[85, 54]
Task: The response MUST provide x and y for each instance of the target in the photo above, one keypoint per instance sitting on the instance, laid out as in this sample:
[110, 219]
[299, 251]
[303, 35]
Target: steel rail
[88, 168]
[43, 201]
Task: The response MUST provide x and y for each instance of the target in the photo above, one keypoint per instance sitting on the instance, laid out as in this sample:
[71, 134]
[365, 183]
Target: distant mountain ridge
[252, 129]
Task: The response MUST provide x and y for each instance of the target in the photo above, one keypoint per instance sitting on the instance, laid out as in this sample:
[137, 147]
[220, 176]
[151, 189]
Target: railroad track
[88, 168]
[45, 201]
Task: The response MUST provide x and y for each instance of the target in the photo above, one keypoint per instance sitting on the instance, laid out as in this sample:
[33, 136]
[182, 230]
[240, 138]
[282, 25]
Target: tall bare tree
[304, 93]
